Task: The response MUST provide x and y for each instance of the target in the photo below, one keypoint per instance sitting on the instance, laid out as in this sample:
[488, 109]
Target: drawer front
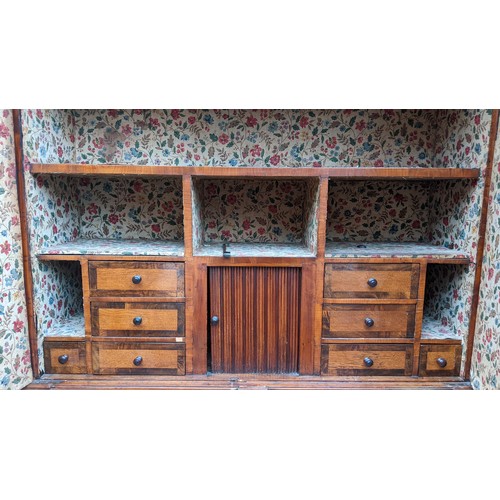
[366, 359]
[138, 319]
[64, 357]
[368, 321]
[372, 281]
[129, 358]
[440, 360]
[136, 279]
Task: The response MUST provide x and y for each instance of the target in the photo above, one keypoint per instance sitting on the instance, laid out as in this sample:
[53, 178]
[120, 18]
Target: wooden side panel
[55, 362]
[349, 359]
[124, 319]
[164, 279]
[118, 358]
[353, 321]
[259, 316]
[393, 281]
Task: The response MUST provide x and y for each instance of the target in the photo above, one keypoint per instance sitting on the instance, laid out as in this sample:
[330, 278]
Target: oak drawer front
[64, 357]
[138, 319]
[372, 281]
[129, 358]
[366, 359]
[136, 279]
[440, 360]
[368, 321]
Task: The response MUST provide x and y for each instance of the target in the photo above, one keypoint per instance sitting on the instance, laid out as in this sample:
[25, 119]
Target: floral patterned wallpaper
[485, 370]
[15, 364]
[255, 138]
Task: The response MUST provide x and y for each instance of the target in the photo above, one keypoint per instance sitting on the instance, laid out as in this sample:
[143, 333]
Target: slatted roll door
[254, 319]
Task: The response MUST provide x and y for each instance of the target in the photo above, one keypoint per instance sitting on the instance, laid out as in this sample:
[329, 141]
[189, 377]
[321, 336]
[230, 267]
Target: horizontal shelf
[83, 246]
[433, 330]
[360, 173]
[255, 250]
[68, 327]
[434, 253]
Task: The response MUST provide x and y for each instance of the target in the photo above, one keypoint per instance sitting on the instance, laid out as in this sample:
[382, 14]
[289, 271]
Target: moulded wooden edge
[210, 171]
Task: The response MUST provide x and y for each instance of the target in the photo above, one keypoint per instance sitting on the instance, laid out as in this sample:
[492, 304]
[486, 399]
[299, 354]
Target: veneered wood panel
[116, 319]
[349, 359]
[154, 278]
[259, 316]
[156, 358]
[342, 320]
[392, 281]
[74, 351]
[430, 354]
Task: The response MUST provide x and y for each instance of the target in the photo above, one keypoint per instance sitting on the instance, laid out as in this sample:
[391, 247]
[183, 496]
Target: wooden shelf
[433, 330]
[255, 250]
[83, 246]
[433, 253]
[68, 328]
[354, 173]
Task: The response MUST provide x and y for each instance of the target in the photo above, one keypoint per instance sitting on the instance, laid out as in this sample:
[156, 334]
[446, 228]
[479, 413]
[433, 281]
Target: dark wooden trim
[481, 240]
[363, 173]
[25, 242]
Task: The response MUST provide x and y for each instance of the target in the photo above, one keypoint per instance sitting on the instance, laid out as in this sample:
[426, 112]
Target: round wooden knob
[63, 359]
[369, 322]
[136, 279]
[137, 320]
[138, 360]
[368, 362]
[372, 282]
[441, 362]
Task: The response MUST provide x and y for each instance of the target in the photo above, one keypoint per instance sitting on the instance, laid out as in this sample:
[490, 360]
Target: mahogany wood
[25, 243]
[364, 173]
[342, 320]
[200, 318]
[259, 311]
[481, 240]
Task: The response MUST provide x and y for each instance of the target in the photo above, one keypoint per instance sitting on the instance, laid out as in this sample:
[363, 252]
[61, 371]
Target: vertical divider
[419, 315]
[319, 269]
[84, 264]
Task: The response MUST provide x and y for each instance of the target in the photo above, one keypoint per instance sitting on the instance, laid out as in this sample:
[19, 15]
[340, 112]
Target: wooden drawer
[133, 319]
[372, 281]
[129, 358]
[64, 357]
[136, 279]
[355, 359]
[368, 321]
[440, 360]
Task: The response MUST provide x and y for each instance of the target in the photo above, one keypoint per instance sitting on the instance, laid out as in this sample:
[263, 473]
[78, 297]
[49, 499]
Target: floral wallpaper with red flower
[15, 363]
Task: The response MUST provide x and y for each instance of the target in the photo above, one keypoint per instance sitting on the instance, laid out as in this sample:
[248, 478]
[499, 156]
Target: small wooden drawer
[366, 359]
[133, 319]
[368, 321]
[141, 358]
[67, 357]
[440, 360]
[136, 279]
[371, 281]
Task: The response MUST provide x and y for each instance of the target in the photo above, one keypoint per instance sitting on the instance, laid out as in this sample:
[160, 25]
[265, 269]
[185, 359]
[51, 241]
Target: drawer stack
[369, 315]
[137, 317]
